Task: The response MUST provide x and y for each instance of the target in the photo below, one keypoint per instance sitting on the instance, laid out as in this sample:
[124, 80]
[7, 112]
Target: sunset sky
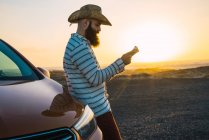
[164, 30]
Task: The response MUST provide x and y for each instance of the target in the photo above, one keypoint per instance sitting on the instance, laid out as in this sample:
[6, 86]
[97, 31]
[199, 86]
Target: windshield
[13, 68]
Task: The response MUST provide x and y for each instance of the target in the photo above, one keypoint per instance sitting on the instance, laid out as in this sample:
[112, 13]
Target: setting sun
[162, 30]
[156, 41]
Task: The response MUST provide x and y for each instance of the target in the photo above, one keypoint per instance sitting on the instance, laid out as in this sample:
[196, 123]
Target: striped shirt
[85, 78]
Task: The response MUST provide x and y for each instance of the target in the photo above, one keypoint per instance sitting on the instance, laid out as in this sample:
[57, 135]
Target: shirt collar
[80, 37]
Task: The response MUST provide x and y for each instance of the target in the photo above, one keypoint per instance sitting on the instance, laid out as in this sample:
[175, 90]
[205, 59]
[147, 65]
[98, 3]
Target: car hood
[36, 106]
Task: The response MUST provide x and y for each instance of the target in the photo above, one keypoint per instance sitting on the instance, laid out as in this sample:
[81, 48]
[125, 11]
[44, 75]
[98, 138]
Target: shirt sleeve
[84, 59]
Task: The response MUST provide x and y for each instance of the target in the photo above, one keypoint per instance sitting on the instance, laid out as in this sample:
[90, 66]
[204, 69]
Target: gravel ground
[161, 108]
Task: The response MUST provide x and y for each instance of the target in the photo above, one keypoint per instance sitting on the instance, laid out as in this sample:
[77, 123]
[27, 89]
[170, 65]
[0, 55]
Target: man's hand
[127, 56]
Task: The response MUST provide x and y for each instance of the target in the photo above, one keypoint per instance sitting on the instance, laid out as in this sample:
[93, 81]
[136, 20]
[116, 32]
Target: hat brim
[77, 15]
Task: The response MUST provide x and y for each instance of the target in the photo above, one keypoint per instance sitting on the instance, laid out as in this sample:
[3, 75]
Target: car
[33, 106]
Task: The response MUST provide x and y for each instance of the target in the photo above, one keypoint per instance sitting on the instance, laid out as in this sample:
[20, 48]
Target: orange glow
[156, 41]
[163, 31]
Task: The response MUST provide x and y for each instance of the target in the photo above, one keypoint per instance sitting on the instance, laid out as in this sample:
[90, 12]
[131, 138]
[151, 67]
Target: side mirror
[44, 71]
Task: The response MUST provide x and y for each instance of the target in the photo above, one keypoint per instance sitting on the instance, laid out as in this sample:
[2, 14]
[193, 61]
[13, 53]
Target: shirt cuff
[120, 65]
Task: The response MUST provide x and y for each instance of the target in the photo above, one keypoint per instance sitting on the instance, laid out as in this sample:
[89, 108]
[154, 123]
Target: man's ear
[86, 23]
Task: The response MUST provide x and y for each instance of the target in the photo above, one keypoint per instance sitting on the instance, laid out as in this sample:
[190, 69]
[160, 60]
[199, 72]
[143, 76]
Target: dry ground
[159, 108]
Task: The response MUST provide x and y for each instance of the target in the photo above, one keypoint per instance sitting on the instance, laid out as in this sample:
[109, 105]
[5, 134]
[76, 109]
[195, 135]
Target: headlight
[86, 124]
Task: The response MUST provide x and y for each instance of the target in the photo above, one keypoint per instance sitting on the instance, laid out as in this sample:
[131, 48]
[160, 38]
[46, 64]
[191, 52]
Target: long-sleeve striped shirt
[85, 78]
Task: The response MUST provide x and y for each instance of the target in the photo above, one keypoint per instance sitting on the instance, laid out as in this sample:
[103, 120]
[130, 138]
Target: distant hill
[199, 72]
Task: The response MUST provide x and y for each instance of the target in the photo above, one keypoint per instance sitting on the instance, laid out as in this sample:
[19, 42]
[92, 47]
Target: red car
[33, 106]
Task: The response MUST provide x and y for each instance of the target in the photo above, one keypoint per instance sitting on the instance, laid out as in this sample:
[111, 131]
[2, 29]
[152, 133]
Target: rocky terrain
[159, 104]
[161, 108]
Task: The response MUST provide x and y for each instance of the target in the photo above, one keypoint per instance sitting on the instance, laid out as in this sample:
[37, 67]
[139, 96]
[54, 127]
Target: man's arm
[84, 59]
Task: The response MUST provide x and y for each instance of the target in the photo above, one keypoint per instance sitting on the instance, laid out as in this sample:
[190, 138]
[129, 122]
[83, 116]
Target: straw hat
[89, 11]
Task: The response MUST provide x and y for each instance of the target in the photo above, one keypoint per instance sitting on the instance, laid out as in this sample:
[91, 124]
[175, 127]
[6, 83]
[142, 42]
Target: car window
[8, 67]
[12, 67]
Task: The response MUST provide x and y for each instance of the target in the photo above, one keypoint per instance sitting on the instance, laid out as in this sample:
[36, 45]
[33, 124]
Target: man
[85, 78]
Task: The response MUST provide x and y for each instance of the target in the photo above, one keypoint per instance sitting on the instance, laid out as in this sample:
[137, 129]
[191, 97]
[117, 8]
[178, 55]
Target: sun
[156, 42]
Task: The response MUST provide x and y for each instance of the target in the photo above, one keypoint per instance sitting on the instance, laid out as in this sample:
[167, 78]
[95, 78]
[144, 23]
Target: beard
[92, 36]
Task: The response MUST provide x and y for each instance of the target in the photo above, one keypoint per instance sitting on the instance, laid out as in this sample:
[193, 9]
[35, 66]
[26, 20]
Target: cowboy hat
[89, 11]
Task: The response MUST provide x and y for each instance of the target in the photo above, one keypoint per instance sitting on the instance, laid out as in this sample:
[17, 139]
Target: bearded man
[85, 78]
